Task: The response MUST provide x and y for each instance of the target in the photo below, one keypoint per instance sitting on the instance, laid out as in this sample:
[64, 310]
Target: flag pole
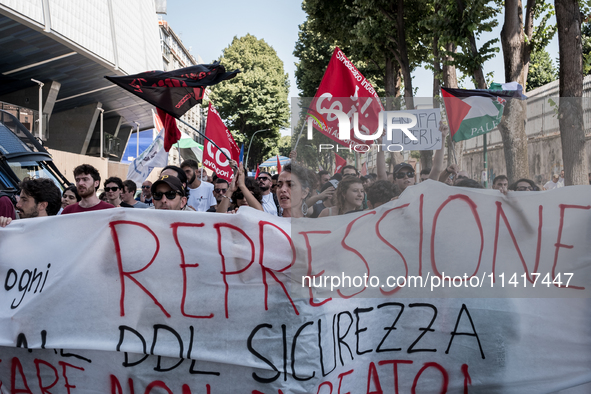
[204, 136]
[453, 149]
[485, 161]
[299, 135]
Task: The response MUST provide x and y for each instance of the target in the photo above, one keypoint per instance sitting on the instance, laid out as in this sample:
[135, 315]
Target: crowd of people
[296, 192]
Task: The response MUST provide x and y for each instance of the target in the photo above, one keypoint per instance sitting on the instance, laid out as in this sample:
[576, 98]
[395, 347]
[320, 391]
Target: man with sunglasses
[168, 193]
[404, 175]
[270, 204]
[113, 188]
[146, 194]
[220, 189]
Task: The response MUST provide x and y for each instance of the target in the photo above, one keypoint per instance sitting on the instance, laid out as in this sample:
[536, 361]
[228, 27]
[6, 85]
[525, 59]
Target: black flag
[177, 91]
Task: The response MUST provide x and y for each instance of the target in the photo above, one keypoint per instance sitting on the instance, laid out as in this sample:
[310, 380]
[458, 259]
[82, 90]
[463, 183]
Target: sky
[209, 27]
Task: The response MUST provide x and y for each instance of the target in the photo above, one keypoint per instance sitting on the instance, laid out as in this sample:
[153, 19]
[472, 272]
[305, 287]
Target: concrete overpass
[70, 46]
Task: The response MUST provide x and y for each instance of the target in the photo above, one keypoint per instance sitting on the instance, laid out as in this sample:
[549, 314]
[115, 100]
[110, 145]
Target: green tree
[541, 70]
[284, 145]
[586, 43]
[570, 112]
[257, 98]
[313, 51]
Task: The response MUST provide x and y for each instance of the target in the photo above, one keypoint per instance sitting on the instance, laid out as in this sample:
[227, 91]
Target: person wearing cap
[168, 193]
[404, 175]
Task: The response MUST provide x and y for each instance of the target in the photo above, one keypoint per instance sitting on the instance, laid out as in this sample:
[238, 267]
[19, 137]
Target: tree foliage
[586, 42]
[313, 51]
[462, 22]
[541, 70]
[257, 98]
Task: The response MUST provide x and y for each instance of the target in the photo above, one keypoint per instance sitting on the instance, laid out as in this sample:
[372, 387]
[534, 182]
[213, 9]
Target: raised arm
[252, 201]
[226, 201]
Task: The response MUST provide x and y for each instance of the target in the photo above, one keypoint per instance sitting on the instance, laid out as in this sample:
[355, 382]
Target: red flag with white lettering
[339, 163]
[344, 88]
[217, 131]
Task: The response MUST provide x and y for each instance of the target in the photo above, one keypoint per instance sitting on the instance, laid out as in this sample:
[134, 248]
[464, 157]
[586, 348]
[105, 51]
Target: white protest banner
[146, 301]
[426, 128]
[153, 156]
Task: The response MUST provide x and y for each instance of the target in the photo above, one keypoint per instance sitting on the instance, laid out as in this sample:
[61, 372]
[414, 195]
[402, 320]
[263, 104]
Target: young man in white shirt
[265, 183]
[552, 184]
[200, 192]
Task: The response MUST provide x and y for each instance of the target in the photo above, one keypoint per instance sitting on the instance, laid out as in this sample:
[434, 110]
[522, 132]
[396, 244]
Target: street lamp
[251, 138]
[40, 107]
[102, 135]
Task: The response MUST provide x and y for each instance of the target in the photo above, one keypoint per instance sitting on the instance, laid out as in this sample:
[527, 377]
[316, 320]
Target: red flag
[339, 163]
[344, 88]
[256, 175]
[171, 132]
[278, 166]
[217, 131]
[364, 169]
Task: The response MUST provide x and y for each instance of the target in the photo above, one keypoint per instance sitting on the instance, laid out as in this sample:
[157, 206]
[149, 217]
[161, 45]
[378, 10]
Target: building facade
[174, 56]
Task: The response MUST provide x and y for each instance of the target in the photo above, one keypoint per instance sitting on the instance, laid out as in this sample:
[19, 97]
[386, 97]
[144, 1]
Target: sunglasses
[401, 175]
[222, 191]
[145, 187]
[111, 189]
[263, 178]
[170, 195]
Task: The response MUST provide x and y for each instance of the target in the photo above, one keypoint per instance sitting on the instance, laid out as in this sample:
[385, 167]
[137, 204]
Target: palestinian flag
[471, 113]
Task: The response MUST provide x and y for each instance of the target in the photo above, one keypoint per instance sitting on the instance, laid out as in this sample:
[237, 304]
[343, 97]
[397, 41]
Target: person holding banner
[88, 180]
[293, 187]
[39, 197]
[168, 193]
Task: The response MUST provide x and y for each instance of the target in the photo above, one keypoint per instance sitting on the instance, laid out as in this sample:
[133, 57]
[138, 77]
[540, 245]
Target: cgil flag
[471, 113]
[343, 87]
[213, 158]
[153, 156]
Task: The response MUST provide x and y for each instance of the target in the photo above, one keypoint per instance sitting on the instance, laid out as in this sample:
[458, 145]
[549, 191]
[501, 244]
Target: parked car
[21, 155]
